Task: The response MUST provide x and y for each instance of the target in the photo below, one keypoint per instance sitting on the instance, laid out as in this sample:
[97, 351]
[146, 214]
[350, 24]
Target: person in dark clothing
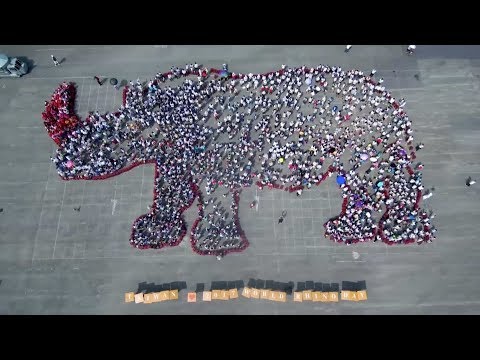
[419, 146]
[98, 80]
[55, 61]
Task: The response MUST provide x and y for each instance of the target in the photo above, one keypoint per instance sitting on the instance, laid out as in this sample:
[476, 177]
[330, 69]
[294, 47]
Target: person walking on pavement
[55, 61]
[98, 80]
[469, 181]
[411, 49]
[427, 194]
[347, 48]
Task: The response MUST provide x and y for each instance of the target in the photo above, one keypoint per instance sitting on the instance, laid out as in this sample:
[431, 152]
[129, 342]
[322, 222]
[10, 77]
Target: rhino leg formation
[383, 207]
[164, 224]
[217, 230]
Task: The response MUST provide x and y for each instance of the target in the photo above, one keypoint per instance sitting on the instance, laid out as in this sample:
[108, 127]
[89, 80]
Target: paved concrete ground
[54, 260]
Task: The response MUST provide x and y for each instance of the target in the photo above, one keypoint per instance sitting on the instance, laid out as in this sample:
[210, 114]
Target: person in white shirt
[427, 195]
[470, 182]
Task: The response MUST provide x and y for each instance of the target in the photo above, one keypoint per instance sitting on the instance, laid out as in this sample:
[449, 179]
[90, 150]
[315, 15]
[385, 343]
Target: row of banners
[249, 293]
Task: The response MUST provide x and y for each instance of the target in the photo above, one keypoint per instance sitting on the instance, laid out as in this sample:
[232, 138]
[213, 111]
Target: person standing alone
[470, 181]
[55, 61]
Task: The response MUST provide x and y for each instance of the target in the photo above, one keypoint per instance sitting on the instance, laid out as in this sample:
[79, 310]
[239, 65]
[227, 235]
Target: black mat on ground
[289, 287]
[361, 285]
[269, 284]
[277, 286]
[215, 285]
[231, 285]
[174, 285]
[157, 288]
[349, 286]
[317, 286]
[178, 285]
[152, 287]
[141, 287]
[309, 285]
[260, 284]
[165, 286]
[300, 286]
[326, 287]
[335, 287]
[148, 287]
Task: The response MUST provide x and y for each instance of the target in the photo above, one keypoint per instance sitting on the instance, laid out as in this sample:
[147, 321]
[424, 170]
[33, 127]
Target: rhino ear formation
[59, 115]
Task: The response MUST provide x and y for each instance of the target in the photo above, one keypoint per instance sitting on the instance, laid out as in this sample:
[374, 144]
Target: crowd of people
[59, 115]
[290, 129]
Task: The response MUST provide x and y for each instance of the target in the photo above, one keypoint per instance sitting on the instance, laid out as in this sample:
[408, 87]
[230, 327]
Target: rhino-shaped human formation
[289, 129]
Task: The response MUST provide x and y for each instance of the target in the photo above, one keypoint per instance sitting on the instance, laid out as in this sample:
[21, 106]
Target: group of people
[291, 129]
[59, 115]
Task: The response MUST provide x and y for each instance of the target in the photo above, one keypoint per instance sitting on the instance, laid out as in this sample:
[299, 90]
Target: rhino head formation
[289, 130]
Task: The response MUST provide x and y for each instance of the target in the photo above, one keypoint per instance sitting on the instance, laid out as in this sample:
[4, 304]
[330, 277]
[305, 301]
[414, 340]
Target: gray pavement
[54, 260]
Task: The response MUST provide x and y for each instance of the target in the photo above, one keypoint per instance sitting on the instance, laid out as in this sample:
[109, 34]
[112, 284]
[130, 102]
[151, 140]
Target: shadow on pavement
[30, 63]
